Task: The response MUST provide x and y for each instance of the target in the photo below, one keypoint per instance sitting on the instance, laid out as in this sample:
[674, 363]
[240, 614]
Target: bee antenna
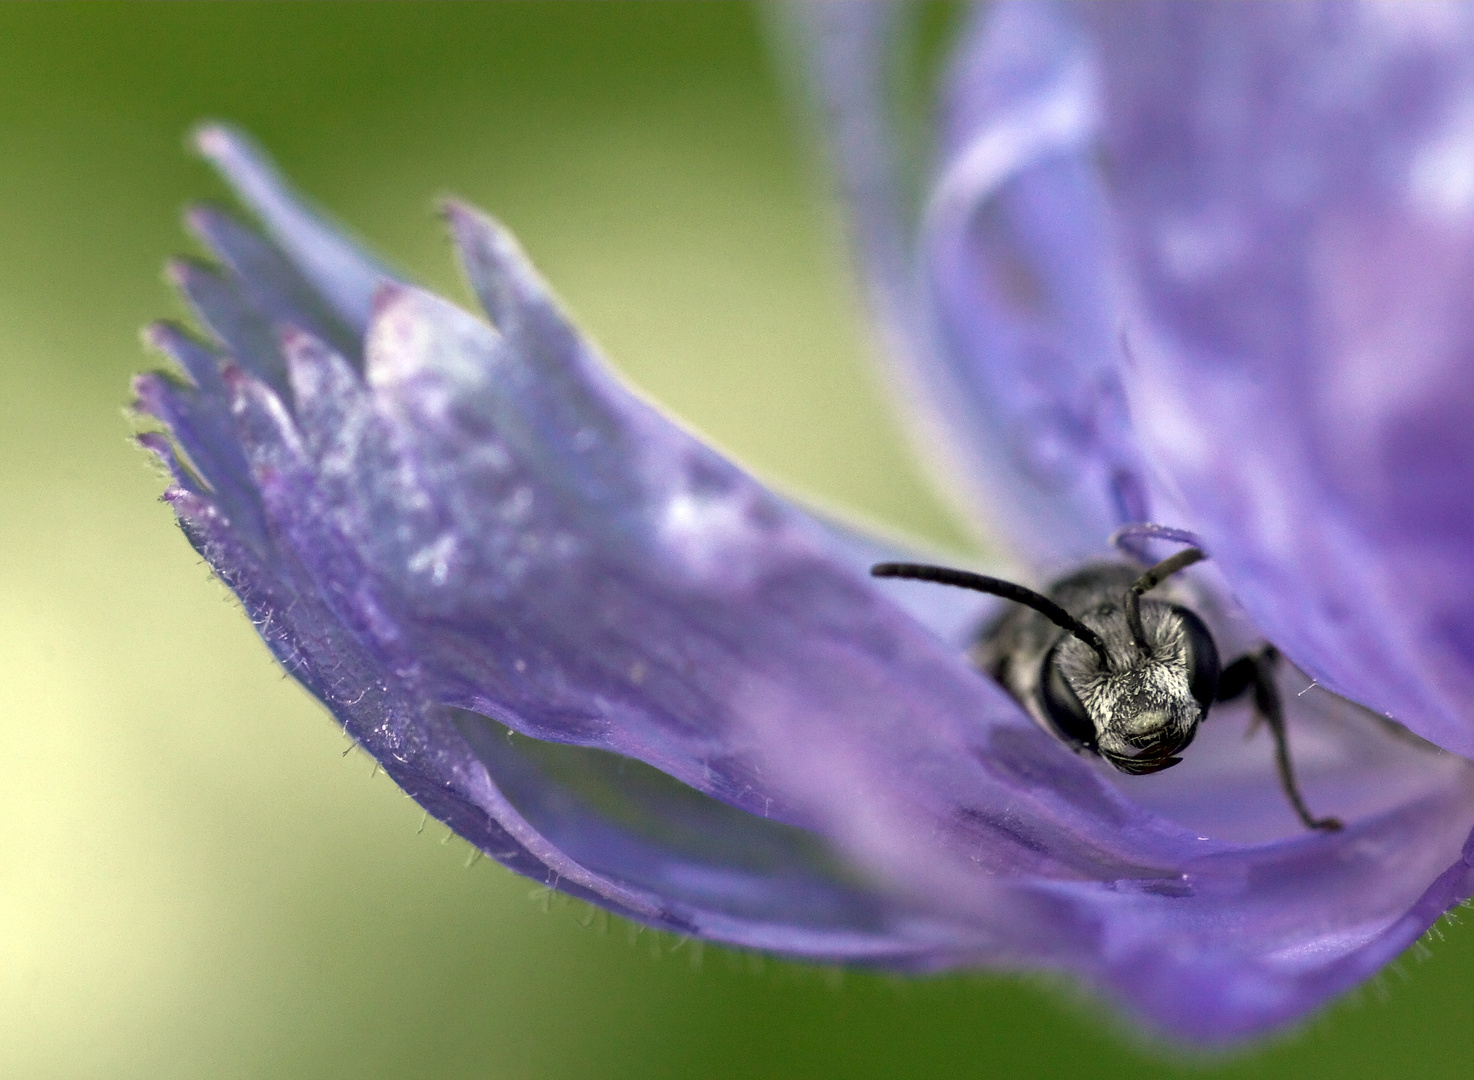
[1150, 580]
[965, 579]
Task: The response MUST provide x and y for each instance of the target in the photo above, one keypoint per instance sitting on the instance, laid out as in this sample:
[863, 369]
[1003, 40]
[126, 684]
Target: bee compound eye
[1202, 657]
[1062, 706]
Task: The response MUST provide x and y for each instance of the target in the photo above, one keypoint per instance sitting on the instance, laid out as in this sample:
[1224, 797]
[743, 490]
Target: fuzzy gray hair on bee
[1112, 672]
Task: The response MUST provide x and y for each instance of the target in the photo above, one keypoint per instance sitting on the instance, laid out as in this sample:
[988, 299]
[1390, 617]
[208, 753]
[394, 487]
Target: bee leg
[1234, 680]
[1256, 672]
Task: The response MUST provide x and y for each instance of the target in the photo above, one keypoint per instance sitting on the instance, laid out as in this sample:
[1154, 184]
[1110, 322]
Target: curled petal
[613, 661]
[1015, 253]
[1297, 217]
[1006, 343]
[593, 825]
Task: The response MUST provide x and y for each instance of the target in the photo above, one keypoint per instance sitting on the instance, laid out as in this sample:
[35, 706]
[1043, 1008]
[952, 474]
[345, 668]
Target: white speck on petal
[435, 558]
[1441, 176]
[707, 533]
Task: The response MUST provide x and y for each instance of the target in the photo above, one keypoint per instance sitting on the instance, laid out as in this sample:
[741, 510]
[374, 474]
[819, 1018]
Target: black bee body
[1111, 672]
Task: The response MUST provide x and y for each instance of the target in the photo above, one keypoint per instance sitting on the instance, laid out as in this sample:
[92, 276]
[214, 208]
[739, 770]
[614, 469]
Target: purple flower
[610, 659]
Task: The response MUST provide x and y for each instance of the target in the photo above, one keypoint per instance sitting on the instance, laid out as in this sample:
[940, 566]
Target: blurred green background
[194, 881]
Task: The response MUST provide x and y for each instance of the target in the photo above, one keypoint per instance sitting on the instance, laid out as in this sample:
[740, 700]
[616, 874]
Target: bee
[1109, 671]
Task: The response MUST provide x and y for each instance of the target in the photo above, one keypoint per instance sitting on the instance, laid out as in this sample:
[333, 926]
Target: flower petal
[1007, 344]
[199, 420]
[593, 825]
[729, 875]
[338, 618]
[482, 532]
[1015, 253]
[1297, 209]
[343, 273]
[244, 330]
[274, 286]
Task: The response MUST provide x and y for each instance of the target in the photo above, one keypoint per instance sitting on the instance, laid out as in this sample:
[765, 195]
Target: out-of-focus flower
[611, 660]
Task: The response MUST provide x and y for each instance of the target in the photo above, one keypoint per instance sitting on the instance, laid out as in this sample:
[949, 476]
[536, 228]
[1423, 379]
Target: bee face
[1143, 706]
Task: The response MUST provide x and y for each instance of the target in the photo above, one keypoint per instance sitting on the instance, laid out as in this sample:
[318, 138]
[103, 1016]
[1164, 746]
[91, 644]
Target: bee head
[1130, 680]
[1141, 703]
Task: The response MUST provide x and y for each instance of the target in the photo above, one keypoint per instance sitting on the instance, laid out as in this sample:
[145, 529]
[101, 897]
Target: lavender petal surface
[1189, 263]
